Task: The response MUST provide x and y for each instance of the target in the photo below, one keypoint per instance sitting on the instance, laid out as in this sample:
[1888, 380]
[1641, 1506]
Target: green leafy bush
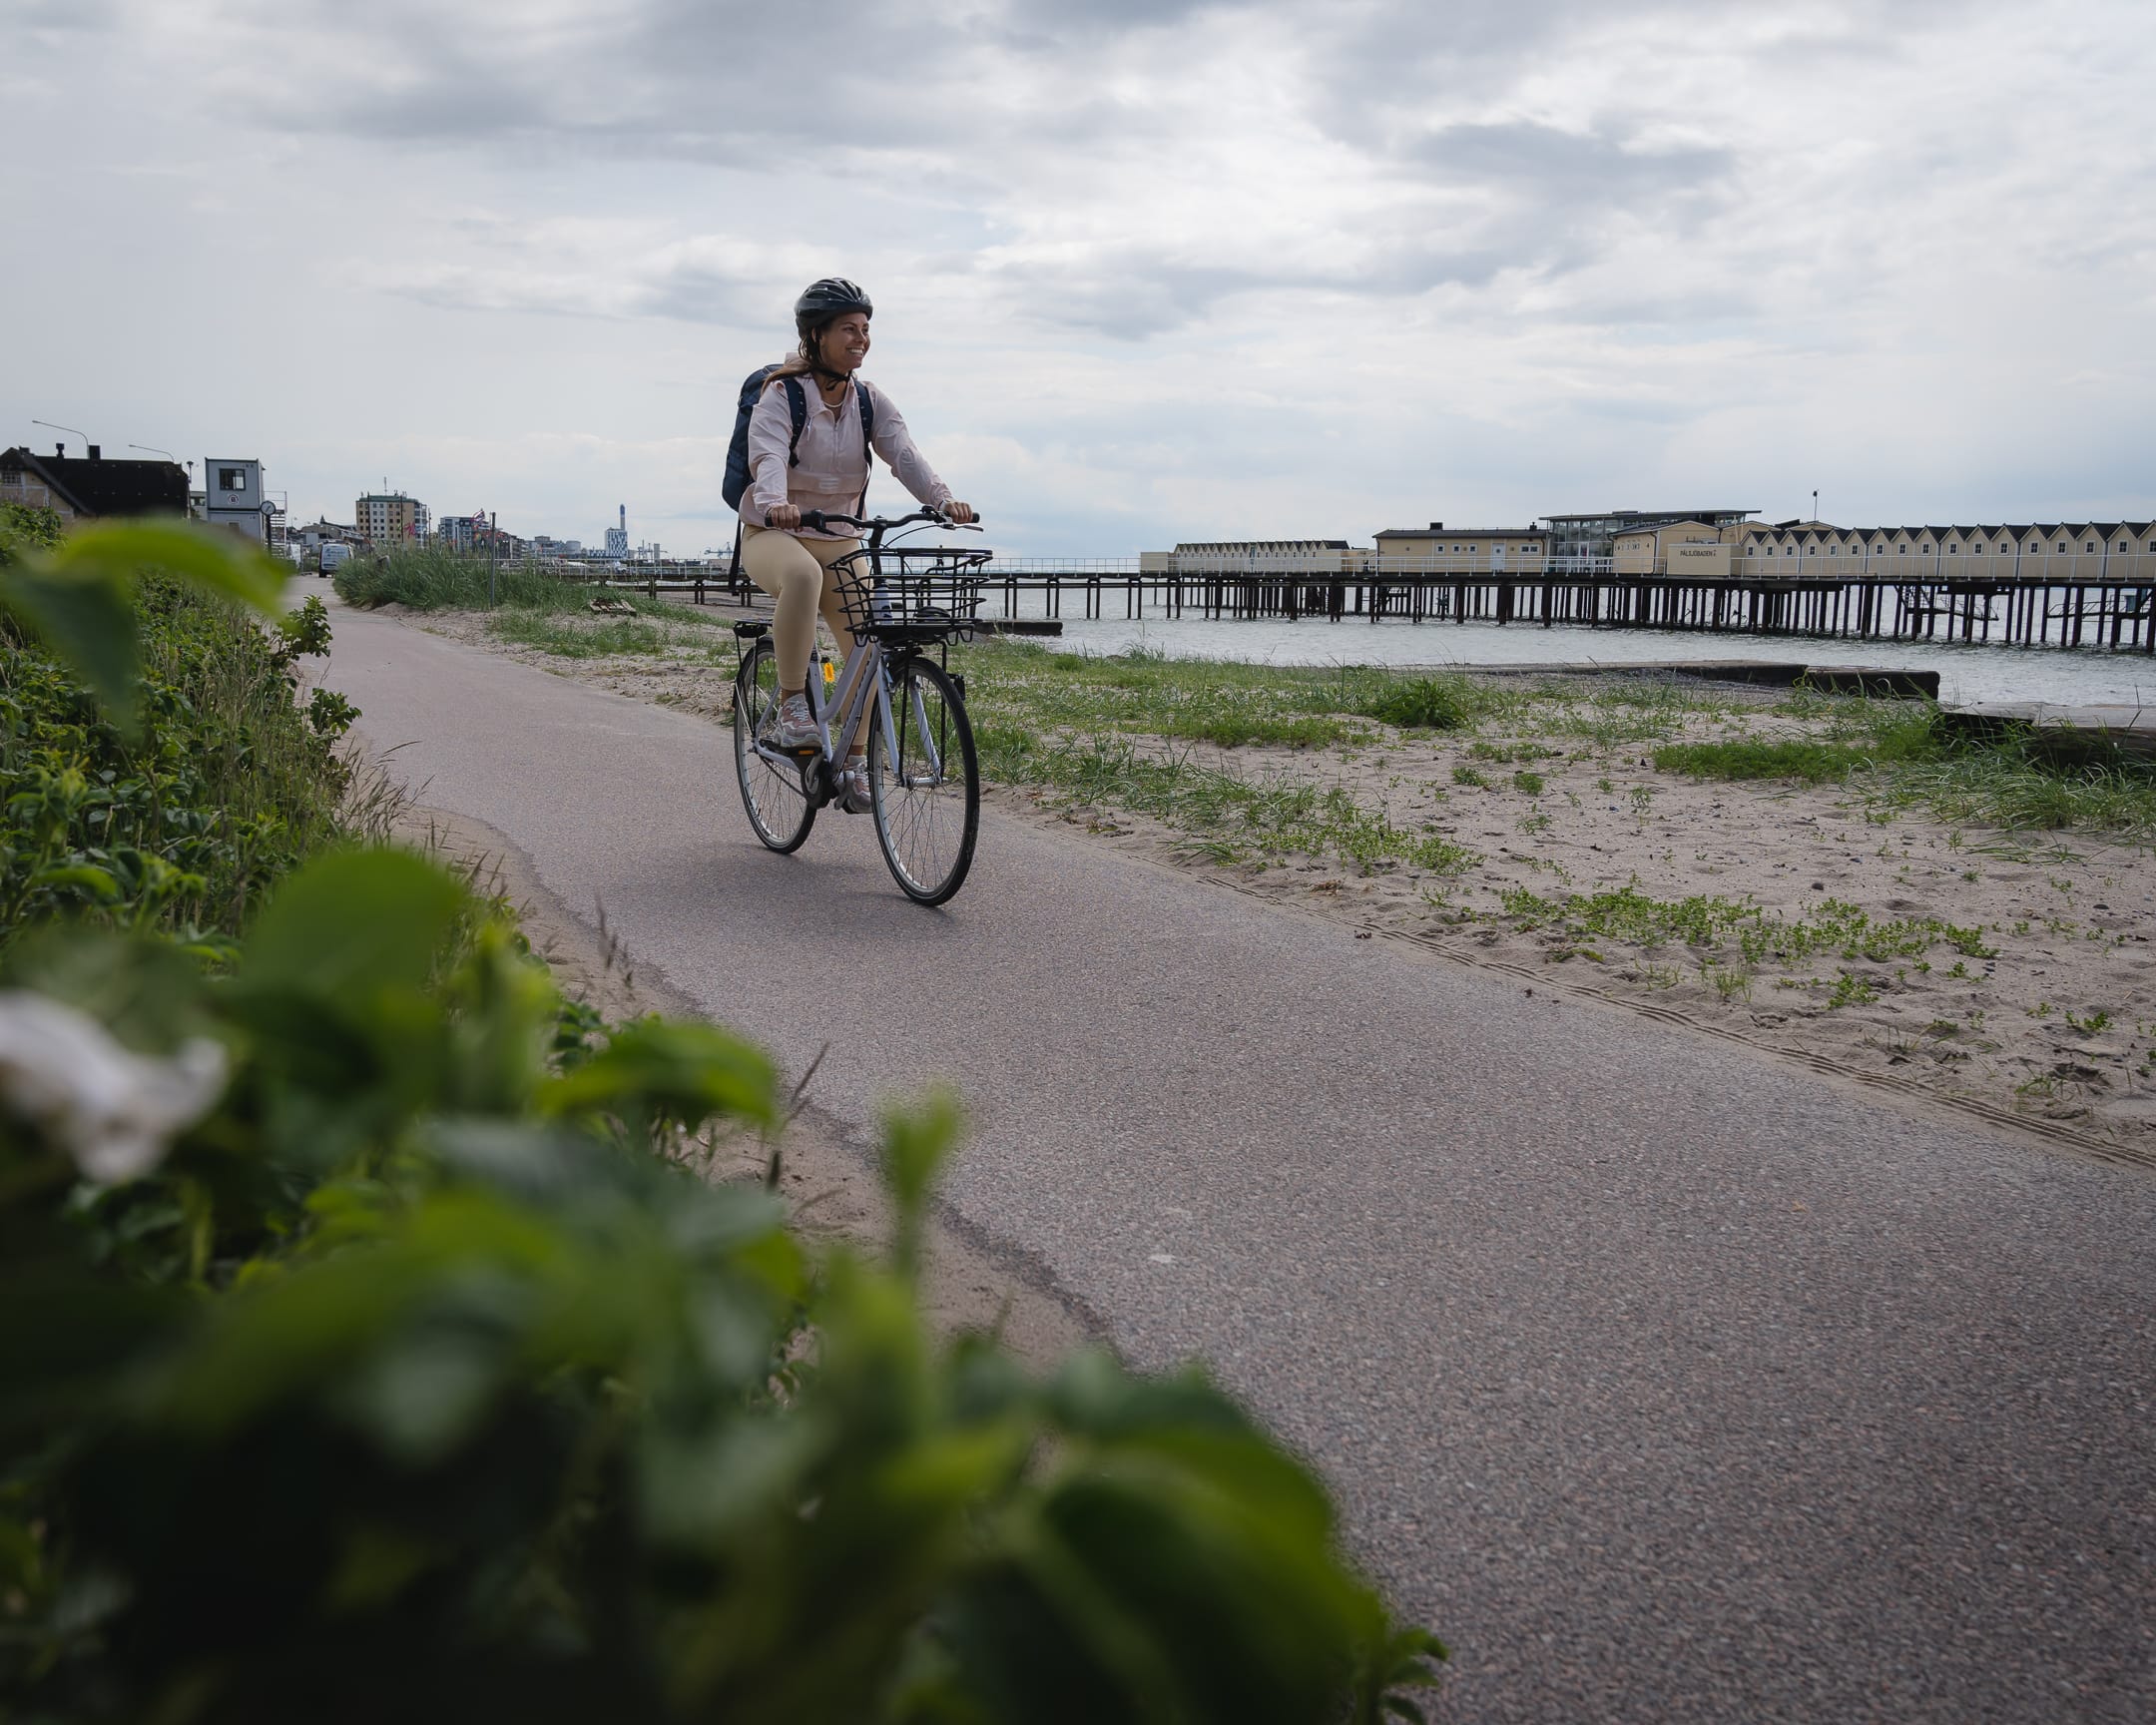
[183, 813]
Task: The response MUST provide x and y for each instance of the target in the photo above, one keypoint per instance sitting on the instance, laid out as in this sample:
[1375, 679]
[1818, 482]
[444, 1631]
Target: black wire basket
[912, 592]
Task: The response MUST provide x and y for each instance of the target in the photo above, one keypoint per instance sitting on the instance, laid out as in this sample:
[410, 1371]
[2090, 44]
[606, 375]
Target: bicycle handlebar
[822, 519]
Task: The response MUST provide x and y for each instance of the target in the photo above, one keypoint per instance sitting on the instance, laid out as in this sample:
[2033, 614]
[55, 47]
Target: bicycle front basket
[920, 591]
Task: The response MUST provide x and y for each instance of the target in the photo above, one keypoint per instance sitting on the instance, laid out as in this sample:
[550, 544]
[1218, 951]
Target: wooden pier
[2030, 613]
[2039, 611]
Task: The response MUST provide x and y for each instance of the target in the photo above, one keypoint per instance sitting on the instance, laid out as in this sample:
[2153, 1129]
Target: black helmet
[833, 296]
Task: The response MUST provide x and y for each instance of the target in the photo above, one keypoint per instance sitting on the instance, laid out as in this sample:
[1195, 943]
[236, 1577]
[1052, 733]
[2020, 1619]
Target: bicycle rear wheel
[774, 792]
[926, 796]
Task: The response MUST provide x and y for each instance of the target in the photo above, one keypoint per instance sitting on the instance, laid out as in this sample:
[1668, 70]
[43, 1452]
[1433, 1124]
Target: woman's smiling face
[845, 345]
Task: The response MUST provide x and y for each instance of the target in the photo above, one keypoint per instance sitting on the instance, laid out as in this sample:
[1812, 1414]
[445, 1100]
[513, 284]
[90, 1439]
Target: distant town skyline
[1187, 272]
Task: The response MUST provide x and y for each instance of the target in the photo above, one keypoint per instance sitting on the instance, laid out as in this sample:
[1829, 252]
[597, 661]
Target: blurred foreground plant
[416, 1379]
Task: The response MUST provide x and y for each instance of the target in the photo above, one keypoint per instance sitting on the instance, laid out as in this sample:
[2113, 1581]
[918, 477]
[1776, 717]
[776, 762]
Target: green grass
[1619, 713]
[1144, 693]
[1896, 755]
[596, 639]
[2015, 787]
[1889, 752]
[1424, 703]
[1228, 817]
[1807, 762]
[1863, 736]
[433, 578]
[1748, 931]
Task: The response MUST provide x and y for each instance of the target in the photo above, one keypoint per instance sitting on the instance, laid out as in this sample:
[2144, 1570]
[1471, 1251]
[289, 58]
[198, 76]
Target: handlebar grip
[813, 518]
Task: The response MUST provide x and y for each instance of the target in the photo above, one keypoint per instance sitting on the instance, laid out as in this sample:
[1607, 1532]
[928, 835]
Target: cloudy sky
[1143, 271]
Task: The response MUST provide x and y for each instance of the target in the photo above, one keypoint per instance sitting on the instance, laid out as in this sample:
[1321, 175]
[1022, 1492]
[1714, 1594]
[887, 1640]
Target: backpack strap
[867, 444]
[798, 406]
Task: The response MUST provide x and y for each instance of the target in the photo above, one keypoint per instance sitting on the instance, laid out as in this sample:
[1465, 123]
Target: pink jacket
[831, 467]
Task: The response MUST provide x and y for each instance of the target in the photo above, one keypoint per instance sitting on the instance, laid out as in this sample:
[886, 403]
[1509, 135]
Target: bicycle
[923, 774]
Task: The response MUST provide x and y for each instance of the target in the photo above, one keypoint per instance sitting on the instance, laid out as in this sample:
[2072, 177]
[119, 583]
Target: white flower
[113, 1110]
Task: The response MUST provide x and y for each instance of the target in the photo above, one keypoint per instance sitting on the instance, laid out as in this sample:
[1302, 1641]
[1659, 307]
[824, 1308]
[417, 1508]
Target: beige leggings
[797, 573]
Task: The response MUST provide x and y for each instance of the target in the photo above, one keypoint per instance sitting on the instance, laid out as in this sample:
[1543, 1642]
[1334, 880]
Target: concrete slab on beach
[1758, 673]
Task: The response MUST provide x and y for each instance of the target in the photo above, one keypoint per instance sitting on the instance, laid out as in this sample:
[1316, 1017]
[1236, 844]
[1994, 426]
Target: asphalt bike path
[1666, 1382]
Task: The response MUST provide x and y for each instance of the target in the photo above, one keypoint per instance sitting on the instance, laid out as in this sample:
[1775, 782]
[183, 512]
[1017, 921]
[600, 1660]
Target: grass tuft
[568, 639]
[1424, 703]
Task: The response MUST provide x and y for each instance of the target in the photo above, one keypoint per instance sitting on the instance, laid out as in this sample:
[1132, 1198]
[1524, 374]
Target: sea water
[1969, 673]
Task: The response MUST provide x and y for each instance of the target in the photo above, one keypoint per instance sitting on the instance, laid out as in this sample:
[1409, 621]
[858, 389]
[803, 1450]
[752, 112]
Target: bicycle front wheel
[926, 789]
[772, 792]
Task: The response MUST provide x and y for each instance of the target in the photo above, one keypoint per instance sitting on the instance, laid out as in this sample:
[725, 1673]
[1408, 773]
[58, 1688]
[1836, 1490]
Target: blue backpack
[751, 391]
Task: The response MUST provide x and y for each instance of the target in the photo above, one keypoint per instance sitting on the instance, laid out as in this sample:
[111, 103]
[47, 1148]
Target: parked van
[334, 557]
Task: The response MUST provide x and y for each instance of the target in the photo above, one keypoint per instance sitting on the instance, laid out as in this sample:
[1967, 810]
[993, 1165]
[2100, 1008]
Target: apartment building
[390, 518]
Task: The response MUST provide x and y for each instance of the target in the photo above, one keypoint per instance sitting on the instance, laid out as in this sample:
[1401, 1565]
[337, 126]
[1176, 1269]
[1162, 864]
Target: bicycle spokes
[926, 782]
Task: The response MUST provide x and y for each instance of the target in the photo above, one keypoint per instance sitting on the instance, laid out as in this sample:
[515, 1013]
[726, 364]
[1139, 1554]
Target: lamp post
[69, 429]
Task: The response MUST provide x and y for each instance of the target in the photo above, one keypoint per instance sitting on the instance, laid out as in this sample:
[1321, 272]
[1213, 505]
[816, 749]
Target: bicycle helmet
[833, 296]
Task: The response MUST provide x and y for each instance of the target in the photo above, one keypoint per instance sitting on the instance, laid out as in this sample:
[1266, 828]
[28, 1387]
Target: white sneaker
[855, 797]
[796, 725]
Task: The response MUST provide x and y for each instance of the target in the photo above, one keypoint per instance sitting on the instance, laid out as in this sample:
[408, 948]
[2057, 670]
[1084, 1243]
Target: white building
[233, 496]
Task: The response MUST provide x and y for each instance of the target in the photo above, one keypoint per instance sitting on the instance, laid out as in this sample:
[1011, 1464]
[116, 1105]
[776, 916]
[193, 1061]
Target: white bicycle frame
[850, 700]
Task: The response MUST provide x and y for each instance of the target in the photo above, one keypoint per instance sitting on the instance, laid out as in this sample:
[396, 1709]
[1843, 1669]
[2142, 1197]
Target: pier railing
[2056, 599]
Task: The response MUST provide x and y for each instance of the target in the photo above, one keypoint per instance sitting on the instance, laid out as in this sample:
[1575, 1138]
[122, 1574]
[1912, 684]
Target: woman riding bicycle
[826, 469]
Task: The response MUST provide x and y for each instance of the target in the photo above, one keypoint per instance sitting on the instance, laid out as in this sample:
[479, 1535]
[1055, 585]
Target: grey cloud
[1393, 44]
[691, 290]
[68, 17]
[1417, 263]
[703, 293]
[1130, 294]
[1569, 167]
[666, 79]
[1126, 297]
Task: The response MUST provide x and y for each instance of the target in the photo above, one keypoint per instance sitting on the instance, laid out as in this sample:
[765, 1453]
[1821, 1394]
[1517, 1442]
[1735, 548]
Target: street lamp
[49, 427]
[153, 449]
